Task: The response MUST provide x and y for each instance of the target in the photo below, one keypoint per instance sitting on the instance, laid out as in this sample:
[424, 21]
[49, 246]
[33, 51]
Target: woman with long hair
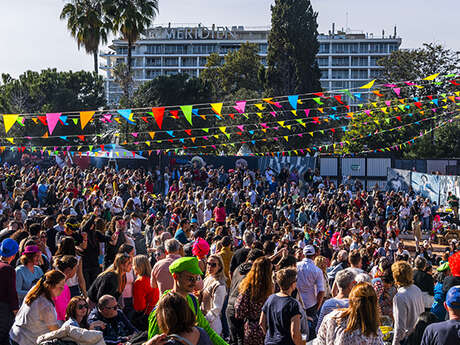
[254, 291]
[113, 280]
[214, 292]
[144, 296]
[76, 314]
[355, 325]
[37, 314]
[76, 284]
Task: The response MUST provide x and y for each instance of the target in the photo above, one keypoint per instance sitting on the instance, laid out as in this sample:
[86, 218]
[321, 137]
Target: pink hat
[31, 250]
[200, 248]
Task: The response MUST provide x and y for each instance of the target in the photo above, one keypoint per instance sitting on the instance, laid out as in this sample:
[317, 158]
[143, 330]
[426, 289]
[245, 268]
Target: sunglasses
[212, 264]
[82, 306]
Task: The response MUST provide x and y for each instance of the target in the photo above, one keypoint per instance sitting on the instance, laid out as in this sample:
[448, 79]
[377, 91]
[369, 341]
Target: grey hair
[420, 262]
[172, 245]
[363, 278]
[344, 278]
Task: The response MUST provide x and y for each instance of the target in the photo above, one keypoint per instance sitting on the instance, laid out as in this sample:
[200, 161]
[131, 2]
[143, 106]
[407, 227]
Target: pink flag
[397, 91]
[240, 106]
[241, 127]
[52, 120]
[273, 113]
[307, 111]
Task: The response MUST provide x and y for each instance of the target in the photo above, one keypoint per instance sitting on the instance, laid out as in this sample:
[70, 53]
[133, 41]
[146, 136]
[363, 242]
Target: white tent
[112, 151]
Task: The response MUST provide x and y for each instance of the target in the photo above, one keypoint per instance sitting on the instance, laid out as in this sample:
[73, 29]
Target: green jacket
[200, 320]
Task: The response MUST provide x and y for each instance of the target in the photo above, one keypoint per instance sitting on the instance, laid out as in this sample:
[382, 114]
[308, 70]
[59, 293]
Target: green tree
[411, 65]
[124, 77]
[50, 91]
[292, 49]
[86, 24]
[131, 18]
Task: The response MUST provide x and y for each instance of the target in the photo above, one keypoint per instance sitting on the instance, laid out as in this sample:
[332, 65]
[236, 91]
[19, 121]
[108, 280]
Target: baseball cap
[453, 297]
[309, 250]
[189, 264]
[8, 248]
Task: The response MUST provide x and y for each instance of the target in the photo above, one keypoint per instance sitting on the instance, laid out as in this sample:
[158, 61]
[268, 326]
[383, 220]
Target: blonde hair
[402, 273]
[142, 265]
[120, 260]
[363, 312]
[220, 275]
[259, 280]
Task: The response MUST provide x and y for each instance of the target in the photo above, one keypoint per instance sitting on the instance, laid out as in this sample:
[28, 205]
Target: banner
[398, 180]
[301, 163]
[426, 185]
[448, 184]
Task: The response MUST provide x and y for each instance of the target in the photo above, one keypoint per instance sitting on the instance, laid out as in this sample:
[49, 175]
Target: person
[183, 231]
[358, 324]
[214, 292]
[236, 327]
[426, 318]
[220, 213]
[241, 254]
[417, 229]
[112, 281]
[452, 200]
[446, 332]
[29, 272]
[67, 264]
[76, 314]
[118, 329]
[280, 318]
[9, 303]
[177, 321]
[424, 281]
[438, 308]
[144, 296]
[254, 291]
[37, 314]
[185, 272]
[408, 302]
[310, 284]
[345, 280]
[76, 284]
[161, 278]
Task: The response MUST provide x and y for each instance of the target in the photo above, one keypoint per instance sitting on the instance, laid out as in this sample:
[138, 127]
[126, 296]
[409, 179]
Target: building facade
[346, 60]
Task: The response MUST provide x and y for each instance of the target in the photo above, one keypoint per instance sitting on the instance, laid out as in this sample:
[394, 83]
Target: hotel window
[188, 61]
[340, 74]
[340, 61]
[155, 49]
[153, 61]
[323, 61]
[324, 48]
[325, 85]
[171, 71]
[152, 73]
[377, 48]
[359, 73]
[354, 48]
[340, 48]
[376, 73]
[324, 74]
[364, 47]
[392, 47]
[359, 61]
[203, 61]
[375, 59]
[340, 85]
[171, 61]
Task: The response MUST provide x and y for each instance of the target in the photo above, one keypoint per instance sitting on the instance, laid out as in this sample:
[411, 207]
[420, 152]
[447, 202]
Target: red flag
[158, 114]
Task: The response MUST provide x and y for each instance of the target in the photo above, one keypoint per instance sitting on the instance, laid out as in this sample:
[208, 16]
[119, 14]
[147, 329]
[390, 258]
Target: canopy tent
[112, 151]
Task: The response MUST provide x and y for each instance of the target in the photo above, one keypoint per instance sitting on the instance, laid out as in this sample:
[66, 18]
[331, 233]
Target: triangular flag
[52, 120]
[42, 120]
[45, 135]
[127, 115]
[81, 137]
[187, 110]
[240, 106]
[9, 121]
[397, 91]
[152, 135]
[175, 114]
[293, 101]
[223, 129]
[85, 117]
[432, 77]
[259, 106]
[158, 114]
[318, 100]
[75, 121]
[11, 140]
[217, 108]
[368, 85]
[205, 130]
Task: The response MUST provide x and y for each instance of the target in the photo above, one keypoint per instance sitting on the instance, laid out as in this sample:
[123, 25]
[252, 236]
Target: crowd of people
[197, 255]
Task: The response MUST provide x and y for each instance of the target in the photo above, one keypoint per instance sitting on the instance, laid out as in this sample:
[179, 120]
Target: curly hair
[259, 280]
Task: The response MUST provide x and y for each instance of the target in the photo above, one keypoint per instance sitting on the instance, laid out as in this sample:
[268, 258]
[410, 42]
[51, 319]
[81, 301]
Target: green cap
[189, 264]
[443, 267]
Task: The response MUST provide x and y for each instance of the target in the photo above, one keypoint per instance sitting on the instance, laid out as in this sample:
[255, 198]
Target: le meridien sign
[192, 33]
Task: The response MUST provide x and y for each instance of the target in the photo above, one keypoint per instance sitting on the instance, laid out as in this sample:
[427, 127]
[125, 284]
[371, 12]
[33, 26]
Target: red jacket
[144, 296]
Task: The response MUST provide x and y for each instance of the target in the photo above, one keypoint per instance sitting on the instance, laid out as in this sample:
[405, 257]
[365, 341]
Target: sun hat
[8, 248]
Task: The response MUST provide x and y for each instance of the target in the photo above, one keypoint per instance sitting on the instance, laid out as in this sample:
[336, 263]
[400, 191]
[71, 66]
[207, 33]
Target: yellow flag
[152, 135]
[223, 129]
[11, 140]
[9, 120]
[259, 106]
[368, 85]
[294, 112]
[432, 77]
[259, 115]
[217, 107]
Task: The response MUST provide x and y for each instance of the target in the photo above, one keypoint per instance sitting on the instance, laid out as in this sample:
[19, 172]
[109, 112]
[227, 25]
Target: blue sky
[32, 36]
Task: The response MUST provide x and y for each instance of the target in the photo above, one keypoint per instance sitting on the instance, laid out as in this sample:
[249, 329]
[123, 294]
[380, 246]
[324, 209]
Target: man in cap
[446, 332]
[186, 273]
[9, 303]
[310, 284]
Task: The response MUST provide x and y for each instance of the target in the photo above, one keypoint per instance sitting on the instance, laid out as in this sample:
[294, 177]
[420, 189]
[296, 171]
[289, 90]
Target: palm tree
[131, 18]
[85, 21]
